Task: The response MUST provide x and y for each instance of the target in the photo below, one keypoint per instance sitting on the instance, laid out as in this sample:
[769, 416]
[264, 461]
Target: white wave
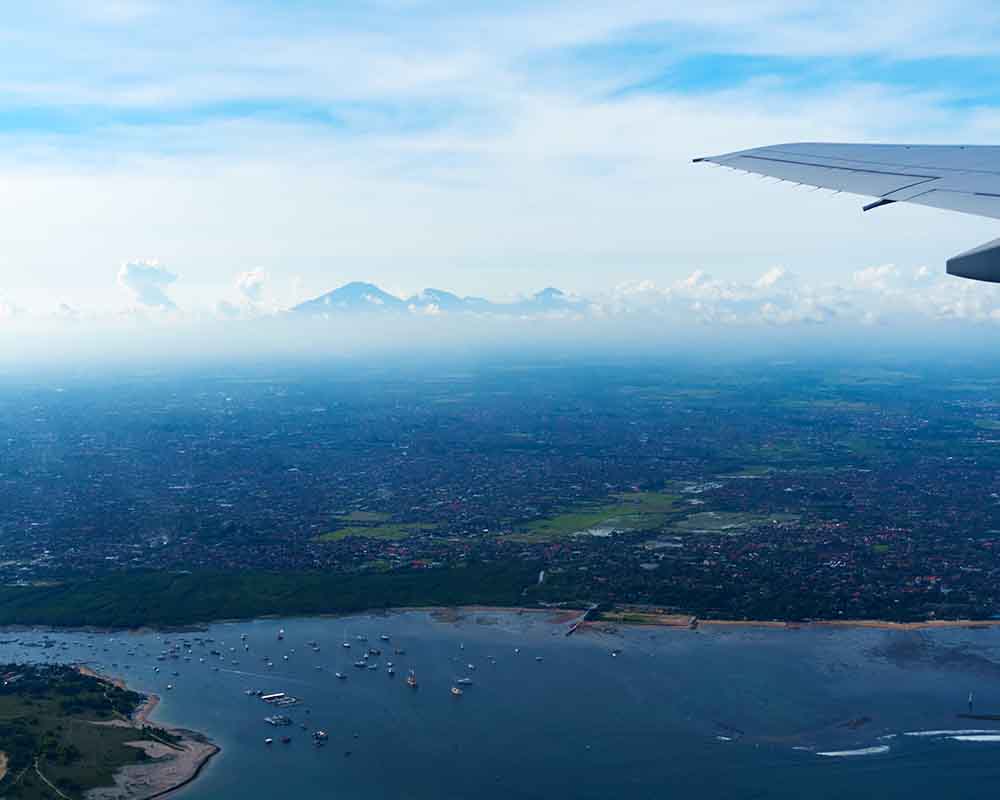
[864, 751]
[950, 733]
[887, 737]
[977, 737]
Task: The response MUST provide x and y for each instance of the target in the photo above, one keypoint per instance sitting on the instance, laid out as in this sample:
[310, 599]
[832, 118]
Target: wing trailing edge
[963, 178]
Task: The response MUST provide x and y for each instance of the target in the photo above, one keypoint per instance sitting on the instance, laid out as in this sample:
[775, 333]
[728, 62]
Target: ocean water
[722, 712]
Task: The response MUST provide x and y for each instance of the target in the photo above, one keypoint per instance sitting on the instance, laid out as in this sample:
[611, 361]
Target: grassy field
[364, 516]
[379, 531]
[632, 511]
[47, 726]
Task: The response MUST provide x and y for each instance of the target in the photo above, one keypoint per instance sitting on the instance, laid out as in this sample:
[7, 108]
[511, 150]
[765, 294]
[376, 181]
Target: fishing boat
[411, 680]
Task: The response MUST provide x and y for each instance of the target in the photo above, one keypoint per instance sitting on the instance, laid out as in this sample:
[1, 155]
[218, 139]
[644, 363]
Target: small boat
[538, 659]
[286, 739]
[360, 664]
[471, 666]
[281, 633]
[411, 680]
[340, 676]
[517, 650]
[170, 686]
[464, 681]
[384, 637]
[269, 740]
[391, 671]
[456, 691]
[347, 645]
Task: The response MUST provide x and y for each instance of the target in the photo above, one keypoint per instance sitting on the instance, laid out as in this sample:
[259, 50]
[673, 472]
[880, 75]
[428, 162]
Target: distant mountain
[550, 299]
[352, 297]
[447, 301]
[367, 297]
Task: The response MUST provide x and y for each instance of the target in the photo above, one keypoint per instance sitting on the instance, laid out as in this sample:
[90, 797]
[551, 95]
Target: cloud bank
[148, 282]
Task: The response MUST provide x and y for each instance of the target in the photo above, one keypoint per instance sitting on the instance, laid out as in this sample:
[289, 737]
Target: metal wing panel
[868, 181]
[958, 178]
[982, 205]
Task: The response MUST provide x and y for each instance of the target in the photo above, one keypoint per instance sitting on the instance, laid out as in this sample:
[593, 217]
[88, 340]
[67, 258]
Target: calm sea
[638, 713]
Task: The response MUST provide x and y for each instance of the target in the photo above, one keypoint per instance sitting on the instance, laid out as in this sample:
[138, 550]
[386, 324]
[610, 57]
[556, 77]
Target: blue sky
[491, 148]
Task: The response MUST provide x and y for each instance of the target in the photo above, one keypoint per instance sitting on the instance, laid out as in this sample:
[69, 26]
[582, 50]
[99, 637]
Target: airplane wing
[964, 178]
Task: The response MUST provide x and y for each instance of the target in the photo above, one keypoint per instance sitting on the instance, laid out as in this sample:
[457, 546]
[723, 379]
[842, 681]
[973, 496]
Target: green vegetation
[364, 516]
[632, 511]
[381, 531]
[50, 727]
[135, 599]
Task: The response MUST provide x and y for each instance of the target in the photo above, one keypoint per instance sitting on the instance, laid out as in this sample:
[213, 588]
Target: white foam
[864, 751]
[977, 737]
[950, 733]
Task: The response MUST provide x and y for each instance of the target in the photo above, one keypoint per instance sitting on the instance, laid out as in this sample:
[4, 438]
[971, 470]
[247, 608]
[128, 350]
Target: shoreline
[637, 618]
[626, 616]
[172, 767]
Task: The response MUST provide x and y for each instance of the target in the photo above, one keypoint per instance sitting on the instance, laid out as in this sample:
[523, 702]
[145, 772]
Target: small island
[67, 732]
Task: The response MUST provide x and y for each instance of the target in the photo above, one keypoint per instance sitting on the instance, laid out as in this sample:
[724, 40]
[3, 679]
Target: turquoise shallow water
[717, 713]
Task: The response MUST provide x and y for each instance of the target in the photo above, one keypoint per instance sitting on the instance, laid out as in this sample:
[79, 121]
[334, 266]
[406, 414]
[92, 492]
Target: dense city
[745, 491]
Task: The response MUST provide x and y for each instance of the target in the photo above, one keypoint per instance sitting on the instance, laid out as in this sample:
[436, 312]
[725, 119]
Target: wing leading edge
[954, 177]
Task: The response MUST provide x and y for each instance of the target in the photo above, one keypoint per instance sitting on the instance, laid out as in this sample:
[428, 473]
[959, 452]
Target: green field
[632, 511]
[379, 531]
[50, 731]
[364, 516]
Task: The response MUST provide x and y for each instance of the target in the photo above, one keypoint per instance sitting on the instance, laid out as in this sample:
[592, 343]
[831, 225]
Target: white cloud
[251, 285]
[148, 281]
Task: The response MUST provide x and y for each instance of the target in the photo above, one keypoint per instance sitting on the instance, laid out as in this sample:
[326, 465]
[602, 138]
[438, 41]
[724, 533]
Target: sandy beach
[170, 767]
[630, 616]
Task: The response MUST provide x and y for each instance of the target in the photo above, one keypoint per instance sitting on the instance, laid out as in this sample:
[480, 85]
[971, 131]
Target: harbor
[510, 695]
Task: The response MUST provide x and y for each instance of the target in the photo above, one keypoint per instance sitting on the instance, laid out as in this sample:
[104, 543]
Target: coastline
[616, 616]
[627, 616]
[170, 766]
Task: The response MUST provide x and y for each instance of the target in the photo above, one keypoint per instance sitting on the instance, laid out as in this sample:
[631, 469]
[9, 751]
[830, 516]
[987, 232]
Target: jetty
[581, 619]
